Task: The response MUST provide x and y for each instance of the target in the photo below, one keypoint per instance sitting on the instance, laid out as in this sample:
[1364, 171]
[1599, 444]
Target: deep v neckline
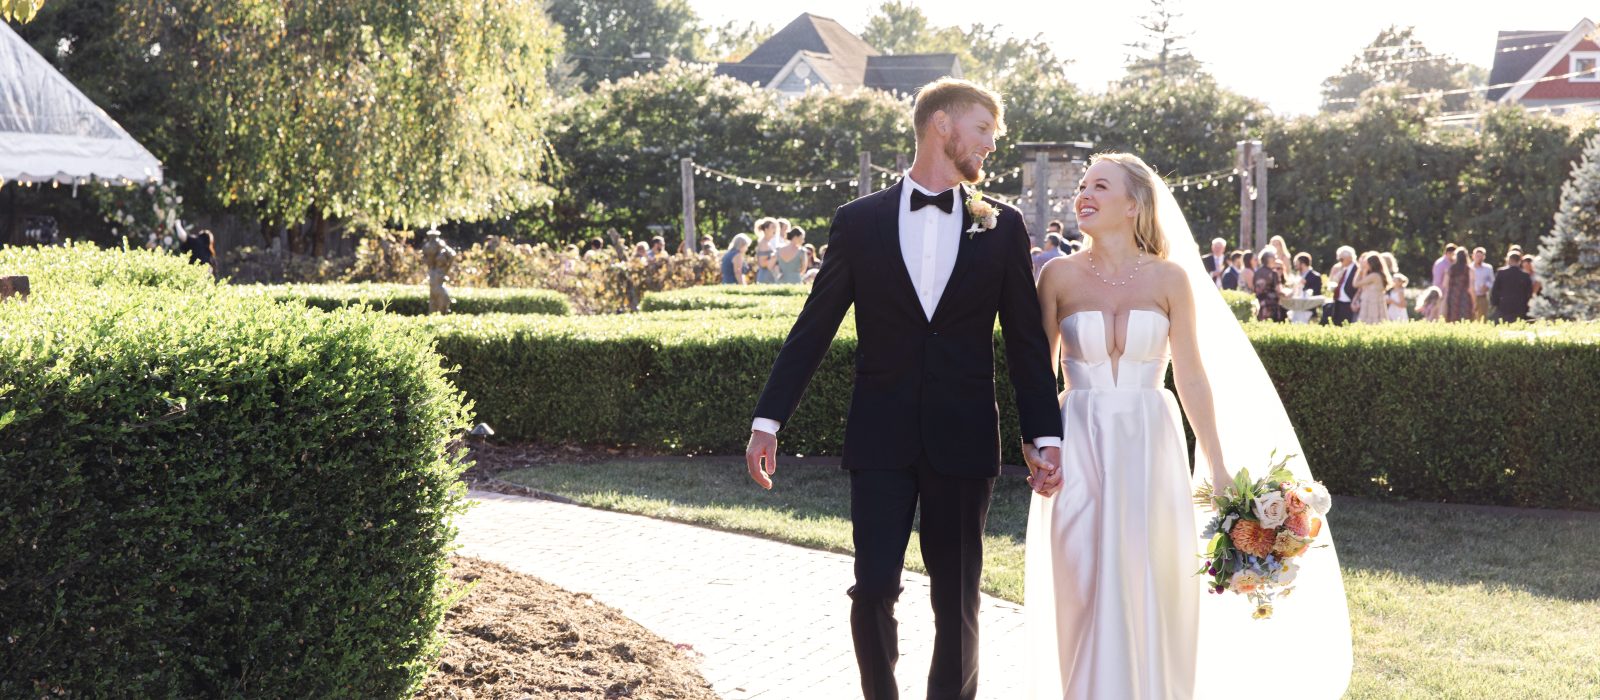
[1108, 332]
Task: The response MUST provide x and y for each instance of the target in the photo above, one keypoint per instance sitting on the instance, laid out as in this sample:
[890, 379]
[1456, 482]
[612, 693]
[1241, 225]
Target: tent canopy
[50, 131]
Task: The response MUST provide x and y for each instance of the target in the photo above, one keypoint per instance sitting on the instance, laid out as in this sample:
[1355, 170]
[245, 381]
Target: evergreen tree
[1569, 257]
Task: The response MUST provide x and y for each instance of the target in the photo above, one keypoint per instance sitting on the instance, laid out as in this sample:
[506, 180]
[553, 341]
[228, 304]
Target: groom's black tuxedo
[923, 424]
[922, 385]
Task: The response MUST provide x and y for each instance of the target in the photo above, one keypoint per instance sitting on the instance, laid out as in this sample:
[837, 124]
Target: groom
[927, 272]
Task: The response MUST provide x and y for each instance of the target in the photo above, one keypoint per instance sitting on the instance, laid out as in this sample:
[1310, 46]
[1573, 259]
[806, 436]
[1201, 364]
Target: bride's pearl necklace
[1136, 265]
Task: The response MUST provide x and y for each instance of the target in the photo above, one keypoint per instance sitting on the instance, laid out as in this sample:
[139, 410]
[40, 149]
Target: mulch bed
[515, 636]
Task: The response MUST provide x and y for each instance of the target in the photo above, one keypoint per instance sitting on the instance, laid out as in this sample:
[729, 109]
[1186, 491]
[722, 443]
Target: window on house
[1585, 67]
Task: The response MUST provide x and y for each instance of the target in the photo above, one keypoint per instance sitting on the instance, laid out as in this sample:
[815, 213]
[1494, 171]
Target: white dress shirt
[1220, 264]
[929, 241]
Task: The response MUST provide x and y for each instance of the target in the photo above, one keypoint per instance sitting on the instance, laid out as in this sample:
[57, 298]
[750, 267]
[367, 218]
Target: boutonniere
[985, 216]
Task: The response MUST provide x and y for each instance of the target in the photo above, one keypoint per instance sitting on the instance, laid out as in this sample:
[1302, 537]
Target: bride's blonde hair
[1142, 182]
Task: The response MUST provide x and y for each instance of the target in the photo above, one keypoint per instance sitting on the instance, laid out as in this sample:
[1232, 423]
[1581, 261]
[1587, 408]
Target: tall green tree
[733, 40]
[1513, 184]
[621, 147]
[1397, 58]
[409, 112]
[987, 54]
[612, 39]
[1162, 53]
[1570, 255]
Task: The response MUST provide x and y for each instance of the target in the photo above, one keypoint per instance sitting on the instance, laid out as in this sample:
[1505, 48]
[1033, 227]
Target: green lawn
[1445, 601]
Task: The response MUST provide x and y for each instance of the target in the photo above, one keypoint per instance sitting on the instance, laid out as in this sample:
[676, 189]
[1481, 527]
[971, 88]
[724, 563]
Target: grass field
[1445, 601]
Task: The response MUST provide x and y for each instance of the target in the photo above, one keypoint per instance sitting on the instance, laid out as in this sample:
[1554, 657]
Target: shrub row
[1470, 413]
[412, 299]
[204, 494]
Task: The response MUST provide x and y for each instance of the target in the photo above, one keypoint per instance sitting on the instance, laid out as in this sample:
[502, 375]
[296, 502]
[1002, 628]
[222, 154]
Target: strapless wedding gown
[1112, 600]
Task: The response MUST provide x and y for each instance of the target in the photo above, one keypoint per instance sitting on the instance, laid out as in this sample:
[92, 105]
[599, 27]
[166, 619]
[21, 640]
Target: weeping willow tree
[400, 111]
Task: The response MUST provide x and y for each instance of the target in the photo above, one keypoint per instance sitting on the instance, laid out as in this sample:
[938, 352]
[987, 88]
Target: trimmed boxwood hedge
[204, 494]
[412, 299]
[1466, 412]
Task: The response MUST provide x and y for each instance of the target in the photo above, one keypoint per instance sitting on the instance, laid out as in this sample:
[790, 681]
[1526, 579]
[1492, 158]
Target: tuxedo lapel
[888, 225]
[964, 252]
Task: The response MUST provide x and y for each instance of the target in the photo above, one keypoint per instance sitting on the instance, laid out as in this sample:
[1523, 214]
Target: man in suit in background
[1511, 291]
[1217, 263]
[1343, 277]
[1229, 279]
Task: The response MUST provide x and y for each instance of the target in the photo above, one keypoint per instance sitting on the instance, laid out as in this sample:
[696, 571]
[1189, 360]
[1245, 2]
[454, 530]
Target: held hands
[761, 457]
[1044, 469]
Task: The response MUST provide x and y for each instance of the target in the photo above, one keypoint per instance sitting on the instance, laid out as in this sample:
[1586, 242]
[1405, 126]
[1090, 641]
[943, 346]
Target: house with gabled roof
[816, 51]
[1554, 71]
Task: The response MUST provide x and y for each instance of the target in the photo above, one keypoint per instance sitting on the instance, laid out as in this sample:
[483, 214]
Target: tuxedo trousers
[950, 530]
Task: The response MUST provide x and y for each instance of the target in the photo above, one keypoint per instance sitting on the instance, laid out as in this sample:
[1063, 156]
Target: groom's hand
[1044, 468]
[761, 457]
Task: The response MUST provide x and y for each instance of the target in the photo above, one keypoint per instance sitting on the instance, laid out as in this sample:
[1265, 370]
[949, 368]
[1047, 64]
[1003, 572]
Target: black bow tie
[945, 201]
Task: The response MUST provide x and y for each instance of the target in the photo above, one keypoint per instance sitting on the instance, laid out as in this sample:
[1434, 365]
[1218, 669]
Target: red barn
[1548, 70]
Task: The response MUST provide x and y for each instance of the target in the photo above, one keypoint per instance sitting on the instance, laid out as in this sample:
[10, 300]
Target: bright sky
[1278, 52]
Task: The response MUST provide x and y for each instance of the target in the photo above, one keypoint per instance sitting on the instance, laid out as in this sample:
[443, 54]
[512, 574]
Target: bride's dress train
[1112, 601]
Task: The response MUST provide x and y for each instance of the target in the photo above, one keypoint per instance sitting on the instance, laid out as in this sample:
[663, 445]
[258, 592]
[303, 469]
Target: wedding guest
[1527, 266]
[1482, 279]
[791, 259]
[1247, 273]
[708, 249]
[202, 248]
[594, 245]
[1369, 303]
[1458, 289]
[1389, 263]
[811, 257]
[1343, 277]
[1268, 287]
[1511, 291]
[1050, 251]
[1310, 279]
[1308, 283]
[1216, 262]
[1235, 267]
[822, 254]
[641, 250]
[1056, 227]
[1397, 300]
[733, 261]
[1442, 265]
[1284, 259]
[658, 249]
[1430, 304]
[766, 245]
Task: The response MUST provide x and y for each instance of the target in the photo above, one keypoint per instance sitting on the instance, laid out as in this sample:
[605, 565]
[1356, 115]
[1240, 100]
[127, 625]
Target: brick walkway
[771, 619]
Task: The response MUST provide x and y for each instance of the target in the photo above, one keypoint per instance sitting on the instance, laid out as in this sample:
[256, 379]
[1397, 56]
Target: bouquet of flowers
[1259, 529]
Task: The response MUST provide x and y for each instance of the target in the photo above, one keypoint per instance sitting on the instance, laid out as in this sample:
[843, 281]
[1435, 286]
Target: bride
[1114, 608]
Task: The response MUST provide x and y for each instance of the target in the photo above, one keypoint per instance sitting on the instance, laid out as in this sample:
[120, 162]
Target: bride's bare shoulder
[1170, 272]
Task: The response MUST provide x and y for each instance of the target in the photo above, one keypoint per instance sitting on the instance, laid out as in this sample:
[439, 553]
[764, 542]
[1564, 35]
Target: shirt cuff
[765, 425]
[1047, 441]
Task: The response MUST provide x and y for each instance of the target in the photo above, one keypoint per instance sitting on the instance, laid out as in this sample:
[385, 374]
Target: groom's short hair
[952, 95]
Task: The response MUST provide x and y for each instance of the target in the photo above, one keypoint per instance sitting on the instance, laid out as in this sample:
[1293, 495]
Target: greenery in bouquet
[1260, 528]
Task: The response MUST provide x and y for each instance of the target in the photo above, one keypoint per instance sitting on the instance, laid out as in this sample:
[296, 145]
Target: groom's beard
[966, 164]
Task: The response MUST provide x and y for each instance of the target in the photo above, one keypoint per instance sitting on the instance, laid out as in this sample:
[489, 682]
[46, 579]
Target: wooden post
[689, 236]
[864, 178]
[901, 162]
[1260, 203]
[1041, 195]
[1246, 208]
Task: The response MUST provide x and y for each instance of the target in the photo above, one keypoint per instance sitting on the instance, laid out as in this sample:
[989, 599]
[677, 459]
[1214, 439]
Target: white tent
[50, 132]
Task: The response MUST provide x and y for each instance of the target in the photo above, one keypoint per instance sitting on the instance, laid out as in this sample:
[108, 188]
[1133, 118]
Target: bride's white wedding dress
[1112, 600]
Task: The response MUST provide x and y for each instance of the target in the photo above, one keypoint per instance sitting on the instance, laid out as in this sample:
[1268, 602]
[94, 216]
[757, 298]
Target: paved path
[771, 619]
